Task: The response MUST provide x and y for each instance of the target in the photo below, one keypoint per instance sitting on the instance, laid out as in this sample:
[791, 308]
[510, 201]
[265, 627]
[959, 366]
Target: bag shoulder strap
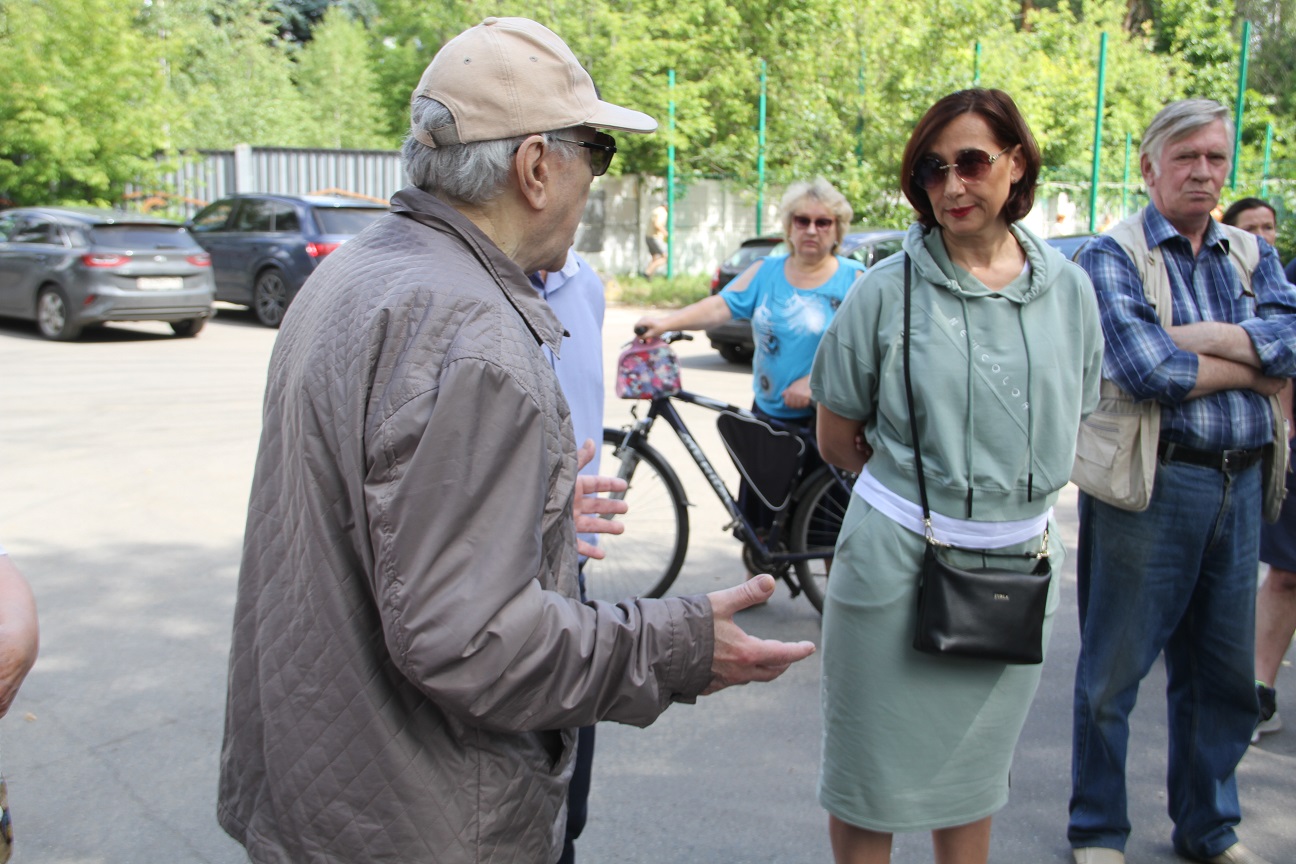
[909, 399]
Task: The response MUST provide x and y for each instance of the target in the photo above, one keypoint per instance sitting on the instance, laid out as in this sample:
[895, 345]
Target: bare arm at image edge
[19, 632]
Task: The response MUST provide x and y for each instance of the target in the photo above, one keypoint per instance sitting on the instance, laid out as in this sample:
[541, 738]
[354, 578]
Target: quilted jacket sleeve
[460, 505]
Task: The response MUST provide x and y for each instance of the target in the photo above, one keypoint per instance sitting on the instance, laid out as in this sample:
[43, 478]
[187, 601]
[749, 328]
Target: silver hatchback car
[68, 268]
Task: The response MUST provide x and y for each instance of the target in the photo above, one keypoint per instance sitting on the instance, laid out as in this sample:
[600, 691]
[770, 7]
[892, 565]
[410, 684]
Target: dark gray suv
[264, 246]
[68, 268]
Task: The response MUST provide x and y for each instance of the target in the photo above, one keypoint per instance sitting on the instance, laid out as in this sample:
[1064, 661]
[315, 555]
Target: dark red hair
[1007, 125]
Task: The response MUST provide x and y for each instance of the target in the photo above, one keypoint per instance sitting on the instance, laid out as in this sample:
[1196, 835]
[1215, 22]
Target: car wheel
[54, 315]
[270, 297]
[735, 353]
[188, 328]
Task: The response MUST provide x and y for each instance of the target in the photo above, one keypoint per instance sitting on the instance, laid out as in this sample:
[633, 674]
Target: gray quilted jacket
[408, 660]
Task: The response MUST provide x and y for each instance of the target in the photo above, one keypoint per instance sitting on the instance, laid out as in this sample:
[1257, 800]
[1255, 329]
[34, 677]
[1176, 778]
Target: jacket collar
[413, 203]
[1157, 230]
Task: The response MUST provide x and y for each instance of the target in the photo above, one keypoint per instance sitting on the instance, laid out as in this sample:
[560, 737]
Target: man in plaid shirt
[1180, 576]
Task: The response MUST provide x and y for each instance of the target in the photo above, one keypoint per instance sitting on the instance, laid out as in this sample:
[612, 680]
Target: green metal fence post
[1097, 145]
[1238, 113]
[670, 179]
[976, 66]
[760, 155]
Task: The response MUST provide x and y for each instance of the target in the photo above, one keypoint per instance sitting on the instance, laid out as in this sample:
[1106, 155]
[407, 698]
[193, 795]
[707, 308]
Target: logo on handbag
[1001, 596]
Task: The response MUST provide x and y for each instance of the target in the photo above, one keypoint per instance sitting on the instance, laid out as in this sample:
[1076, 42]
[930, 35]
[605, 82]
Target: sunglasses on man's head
[804, 222]
[602, 149]
[971, 166]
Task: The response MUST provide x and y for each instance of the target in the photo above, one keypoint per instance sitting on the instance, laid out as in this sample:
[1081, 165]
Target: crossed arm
[1185, 362]
[1226, 359]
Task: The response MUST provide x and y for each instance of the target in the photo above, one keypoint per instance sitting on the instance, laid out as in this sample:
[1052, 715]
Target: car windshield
[140, 236]
[744, 257]
[346, 220]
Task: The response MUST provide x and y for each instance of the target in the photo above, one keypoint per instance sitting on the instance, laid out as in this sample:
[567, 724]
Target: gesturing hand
[740, 658]
[589, 508]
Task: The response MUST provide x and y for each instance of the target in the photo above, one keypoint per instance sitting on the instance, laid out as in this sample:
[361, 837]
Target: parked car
[733, 339]
[1069, 244]
[264, 246]
[68, 268]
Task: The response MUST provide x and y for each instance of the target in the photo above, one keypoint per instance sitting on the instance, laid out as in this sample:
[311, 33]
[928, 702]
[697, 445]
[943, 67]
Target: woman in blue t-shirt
[789, 299]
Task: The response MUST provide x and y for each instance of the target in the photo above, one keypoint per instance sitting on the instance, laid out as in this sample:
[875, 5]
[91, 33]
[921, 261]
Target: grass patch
[660, 292]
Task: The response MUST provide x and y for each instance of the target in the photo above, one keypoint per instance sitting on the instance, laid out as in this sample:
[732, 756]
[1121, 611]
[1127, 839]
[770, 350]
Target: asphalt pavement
[126, 460]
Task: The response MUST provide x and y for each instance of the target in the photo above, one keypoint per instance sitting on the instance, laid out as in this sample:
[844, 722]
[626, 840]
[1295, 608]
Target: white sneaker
[1097, 855]
[1236, 854]
[1265, 727]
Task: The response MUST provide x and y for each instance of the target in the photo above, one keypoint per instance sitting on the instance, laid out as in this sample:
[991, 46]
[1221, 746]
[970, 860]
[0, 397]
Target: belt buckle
[1233, 461]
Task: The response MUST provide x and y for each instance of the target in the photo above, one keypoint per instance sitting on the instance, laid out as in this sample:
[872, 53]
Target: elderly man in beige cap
[409, 659]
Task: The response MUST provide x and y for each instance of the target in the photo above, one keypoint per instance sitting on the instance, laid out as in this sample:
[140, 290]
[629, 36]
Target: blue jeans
[1178, 577]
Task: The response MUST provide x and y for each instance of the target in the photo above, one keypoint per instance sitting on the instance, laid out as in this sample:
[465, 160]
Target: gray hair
[1180, 119]
[826, 194]
[473, 173]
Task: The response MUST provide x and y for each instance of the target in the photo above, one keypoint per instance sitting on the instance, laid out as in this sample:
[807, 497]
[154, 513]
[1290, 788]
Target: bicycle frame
[662, 407]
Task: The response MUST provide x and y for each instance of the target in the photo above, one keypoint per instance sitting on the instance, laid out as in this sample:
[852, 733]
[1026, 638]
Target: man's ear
[1146, 168]
[533, 171]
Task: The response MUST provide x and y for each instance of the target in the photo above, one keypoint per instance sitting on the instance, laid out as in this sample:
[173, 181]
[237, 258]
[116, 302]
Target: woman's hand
[649, 328]
[862, 446]
[797, 394]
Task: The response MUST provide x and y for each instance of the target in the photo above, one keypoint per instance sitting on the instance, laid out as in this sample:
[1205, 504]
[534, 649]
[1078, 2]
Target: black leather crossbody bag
[990, 613]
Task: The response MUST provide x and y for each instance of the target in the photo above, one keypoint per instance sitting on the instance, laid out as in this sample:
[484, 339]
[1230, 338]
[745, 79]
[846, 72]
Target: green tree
[231, 71]
[1201, 35]
[338, 86]
[84, 107]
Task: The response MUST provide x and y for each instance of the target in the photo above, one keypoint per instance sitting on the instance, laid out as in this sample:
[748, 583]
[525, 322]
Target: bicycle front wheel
[818, 518]
[644, 561]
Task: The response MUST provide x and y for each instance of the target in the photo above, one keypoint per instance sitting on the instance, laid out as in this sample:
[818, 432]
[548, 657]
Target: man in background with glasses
[410, 659]
[1179, 576]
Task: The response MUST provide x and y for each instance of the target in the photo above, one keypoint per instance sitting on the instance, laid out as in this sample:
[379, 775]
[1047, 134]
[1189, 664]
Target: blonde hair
[825, 193]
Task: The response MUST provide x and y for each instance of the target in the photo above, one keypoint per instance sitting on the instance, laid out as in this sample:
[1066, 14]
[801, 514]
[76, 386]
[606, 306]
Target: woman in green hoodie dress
[1006, 353]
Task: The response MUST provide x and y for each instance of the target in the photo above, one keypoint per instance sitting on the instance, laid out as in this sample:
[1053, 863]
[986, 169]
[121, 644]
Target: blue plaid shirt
[1143, 360]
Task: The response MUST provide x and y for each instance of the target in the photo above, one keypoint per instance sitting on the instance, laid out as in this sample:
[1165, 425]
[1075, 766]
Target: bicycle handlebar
[668, 336]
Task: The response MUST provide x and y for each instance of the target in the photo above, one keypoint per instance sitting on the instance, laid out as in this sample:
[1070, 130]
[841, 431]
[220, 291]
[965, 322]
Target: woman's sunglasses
[971, 166]
[804, 222]
[602, 149]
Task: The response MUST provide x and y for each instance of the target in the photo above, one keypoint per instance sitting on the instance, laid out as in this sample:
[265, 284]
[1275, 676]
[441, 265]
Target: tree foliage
[85, 104]
[339, 87]
[98, 87]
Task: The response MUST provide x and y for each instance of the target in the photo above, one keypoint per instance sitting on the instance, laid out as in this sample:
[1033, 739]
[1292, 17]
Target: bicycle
[646, 559]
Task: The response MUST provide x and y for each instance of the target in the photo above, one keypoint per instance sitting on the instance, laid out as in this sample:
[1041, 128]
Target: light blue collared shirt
[575, 293]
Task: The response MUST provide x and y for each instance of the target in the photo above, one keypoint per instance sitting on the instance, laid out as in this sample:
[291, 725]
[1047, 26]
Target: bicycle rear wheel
[644, 561]
[818, 517]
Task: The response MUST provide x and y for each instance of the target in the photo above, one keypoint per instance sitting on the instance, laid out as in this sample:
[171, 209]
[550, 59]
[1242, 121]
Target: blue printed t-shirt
[787, 324]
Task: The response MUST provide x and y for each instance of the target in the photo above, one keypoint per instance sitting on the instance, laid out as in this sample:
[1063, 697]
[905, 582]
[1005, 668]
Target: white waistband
[967, 533]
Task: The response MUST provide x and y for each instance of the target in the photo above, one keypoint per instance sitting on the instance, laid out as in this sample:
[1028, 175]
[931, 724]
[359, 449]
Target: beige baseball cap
[512, 76]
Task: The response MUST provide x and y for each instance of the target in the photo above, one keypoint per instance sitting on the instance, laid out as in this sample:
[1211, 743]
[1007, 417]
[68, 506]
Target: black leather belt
[1228, 461]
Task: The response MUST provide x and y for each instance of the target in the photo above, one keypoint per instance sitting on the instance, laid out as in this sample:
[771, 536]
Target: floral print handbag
[647, 369]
